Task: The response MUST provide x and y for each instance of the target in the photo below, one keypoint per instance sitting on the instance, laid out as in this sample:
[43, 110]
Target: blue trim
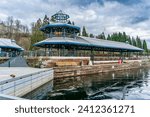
[61, 25]
[20, 49]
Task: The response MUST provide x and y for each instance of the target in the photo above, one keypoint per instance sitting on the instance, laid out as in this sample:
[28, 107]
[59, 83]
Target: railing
[8, 54]
[22, 85]
[64, 52]
[7, 97]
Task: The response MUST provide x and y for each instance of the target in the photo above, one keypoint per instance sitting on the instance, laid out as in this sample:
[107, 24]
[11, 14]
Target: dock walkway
[18, 81]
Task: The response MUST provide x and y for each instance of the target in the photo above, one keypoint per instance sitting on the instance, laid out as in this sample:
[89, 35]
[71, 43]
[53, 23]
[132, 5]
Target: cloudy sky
[131, 16]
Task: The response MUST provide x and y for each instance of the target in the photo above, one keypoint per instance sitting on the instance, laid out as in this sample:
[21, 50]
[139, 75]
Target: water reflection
[120, 85]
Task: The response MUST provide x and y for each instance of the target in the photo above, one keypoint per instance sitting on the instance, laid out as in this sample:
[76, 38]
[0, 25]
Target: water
[121, 85]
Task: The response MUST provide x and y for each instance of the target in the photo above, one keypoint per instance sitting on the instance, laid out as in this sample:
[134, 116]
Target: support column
[74, 34]
[50, 51]
[45, 50]
[63, 49]
[74, 51]
[121, 54]
[64, 35]
[92, 55]
[58, 50]
[51, 34]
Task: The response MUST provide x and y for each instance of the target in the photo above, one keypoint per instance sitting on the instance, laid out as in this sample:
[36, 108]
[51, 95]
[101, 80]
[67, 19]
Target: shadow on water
[120, 85]
[40, 92]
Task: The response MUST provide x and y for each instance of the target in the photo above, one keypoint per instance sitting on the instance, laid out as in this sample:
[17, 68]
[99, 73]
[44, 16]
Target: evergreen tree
[79, 34]
[114, 37]
[129, 40]
[84, 33]
[45, 20]
[101, 36]
[124, 38]
[52, 19]
[138, 41]
[91, 35]
[36, 35]
[145, 46]
[73, 23]
[120, 37]
[134, 42]
[69, 22]
[108, 37]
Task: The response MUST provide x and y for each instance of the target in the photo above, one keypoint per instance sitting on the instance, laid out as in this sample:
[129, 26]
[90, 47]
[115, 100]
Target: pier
[18, 81]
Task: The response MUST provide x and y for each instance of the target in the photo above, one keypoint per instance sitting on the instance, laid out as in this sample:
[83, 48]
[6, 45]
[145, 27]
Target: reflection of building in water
[100, 86]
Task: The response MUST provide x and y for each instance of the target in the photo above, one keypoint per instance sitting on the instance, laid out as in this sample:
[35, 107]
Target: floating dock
[18, 81]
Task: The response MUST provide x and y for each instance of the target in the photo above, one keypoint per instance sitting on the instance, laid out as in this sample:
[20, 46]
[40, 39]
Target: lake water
[121, 85]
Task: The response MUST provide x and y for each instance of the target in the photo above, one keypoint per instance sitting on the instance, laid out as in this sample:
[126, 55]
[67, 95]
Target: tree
[18, 25]
[39, 22]
[108, 37]
[10, 22]
[84, 33]
[145, 46]
[124, 37]
[101, 36]
[36, 35]
[114, 37]
[73, 23]
[45, 20]
[69, 22]
[138, 41]
[79, 34]
[91, 35]
[134, 42]
[129, 40]
[52, 19]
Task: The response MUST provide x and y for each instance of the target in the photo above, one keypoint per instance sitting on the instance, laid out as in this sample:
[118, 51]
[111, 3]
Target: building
[9, 48]
[62, 36]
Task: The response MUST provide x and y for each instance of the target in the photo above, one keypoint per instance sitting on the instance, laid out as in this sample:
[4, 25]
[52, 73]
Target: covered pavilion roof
[8, 43]
[88, 43]
[55, 25]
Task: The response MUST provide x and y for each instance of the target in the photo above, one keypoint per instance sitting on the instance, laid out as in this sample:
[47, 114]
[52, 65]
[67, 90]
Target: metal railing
[8, 54]
[24, 84]
[7, 97]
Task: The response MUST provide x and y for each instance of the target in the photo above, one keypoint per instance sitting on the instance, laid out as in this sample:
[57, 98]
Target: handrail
[22, 77]
[22, 85]
[8, 97]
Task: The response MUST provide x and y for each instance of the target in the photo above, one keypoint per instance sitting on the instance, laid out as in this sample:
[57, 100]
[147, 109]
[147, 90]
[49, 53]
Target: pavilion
[62, 36]
[9, 48]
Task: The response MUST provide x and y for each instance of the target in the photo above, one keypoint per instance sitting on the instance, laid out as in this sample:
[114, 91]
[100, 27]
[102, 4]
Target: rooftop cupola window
[60, 17]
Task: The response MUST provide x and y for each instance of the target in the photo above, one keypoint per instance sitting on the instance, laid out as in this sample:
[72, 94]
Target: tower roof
[60, 17]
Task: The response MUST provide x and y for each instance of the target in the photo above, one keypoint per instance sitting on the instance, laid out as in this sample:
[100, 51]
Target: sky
[109, 16]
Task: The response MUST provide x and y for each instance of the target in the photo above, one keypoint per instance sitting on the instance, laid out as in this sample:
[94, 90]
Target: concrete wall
[60, 72]
[48, 62]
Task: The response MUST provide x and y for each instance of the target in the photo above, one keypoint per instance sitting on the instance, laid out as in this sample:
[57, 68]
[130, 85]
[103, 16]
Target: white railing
[7, 97]
[22, 85]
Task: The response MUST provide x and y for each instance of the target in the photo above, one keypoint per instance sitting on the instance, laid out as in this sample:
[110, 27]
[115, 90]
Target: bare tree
[10, 22]
[26, 29]
[17, 23]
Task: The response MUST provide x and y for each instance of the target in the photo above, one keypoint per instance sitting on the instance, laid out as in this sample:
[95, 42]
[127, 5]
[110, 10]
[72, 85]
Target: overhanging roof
[88, 42]
[8, 43]
[52, 25]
